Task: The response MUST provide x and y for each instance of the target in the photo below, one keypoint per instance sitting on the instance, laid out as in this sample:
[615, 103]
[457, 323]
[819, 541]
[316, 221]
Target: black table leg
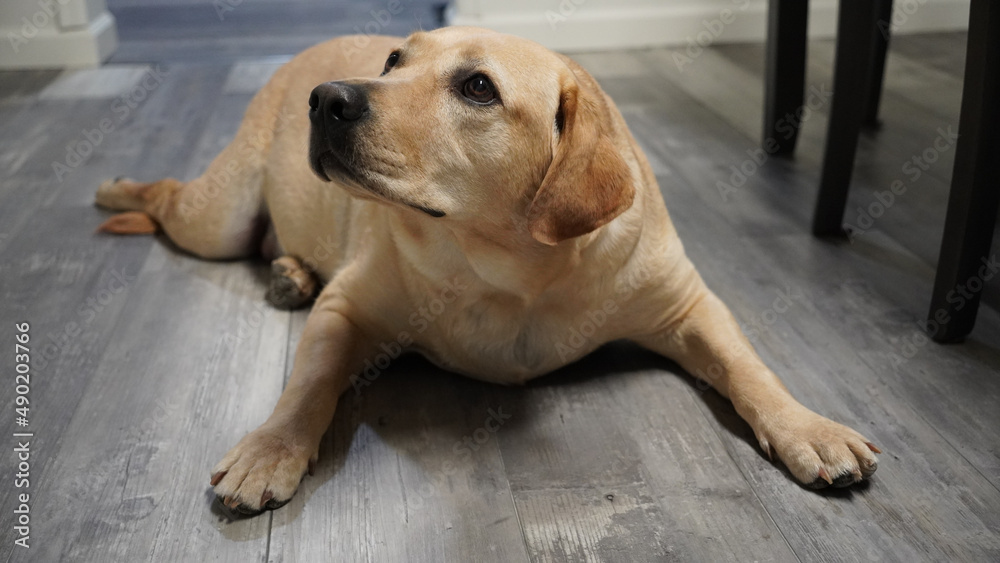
[856, 37]
[884, 9]
[964, 264]
[784, 85]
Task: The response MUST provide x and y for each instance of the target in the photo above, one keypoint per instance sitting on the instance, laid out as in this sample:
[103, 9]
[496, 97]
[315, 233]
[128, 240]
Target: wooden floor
[149, 364]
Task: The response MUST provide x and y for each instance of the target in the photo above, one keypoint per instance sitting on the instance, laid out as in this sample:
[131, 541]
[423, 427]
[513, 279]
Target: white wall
[55, 33]
[578, 25]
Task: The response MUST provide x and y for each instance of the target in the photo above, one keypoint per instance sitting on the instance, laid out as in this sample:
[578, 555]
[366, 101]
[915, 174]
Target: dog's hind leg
[218, 215]
[209, 217]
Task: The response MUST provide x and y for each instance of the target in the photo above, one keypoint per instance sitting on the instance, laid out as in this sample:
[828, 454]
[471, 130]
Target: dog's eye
[479, 89]
[390, 62]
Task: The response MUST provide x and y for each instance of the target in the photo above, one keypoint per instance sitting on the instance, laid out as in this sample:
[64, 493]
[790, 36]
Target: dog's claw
[216, 477]
[267, 502]
[845, 480]
[873, 447]
[766, 446]
[825, 476]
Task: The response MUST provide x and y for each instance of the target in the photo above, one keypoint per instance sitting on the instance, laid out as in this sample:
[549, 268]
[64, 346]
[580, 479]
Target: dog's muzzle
[335, 111]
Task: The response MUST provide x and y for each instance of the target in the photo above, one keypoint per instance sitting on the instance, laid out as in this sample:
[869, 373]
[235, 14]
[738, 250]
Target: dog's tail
[122, 194]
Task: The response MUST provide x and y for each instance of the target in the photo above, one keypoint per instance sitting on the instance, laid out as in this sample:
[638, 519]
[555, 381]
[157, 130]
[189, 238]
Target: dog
[468, 160]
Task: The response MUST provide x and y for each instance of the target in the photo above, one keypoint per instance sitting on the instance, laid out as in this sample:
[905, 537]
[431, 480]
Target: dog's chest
[496, 336]
[490, 314]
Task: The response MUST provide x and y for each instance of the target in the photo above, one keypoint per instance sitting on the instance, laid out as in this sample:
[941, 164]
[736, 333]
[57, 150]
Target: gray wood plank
[617, 462]
[898, 512]
[56, 275]
[71, 293]
[901, 509]
[954, 390]
[942, 51]
[56, 272]
[393, 483]
[122, 485]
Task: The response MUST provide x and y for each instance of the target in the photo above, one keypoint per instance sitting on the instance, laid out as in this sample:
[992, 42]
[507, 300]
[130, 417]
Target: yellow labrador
[477, 186]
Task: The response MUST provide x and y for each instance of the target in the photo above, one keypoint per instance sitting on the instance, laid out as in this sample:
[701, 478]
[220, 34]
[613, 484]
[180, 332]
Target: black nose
[338, 104]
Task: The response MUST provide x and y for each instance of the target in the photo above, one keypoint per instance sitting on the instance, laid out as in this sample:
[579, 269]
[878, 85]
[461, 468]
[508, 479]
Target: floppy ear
[588, 182]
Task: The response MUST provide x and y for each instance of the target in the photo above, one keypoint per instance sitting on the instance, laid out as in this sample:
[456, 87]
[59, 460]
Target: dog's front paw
[262, 472]
[818, 451]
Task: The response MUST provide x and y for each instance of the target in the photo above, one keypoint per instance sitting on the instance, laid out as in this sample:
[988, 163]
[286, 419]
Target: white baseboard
[54, 48]
[584, 27]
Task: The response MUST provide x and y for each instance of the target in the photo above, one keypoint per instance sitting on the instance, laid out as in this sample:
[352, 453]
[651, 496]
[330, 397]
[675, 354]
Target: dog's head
[477, 128]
